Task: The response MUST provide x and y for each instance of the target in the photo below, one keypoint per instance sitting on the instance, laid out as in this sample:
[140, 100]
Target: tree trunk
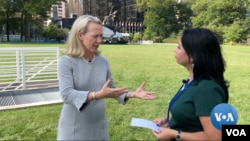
[22, 26]
[27, 26]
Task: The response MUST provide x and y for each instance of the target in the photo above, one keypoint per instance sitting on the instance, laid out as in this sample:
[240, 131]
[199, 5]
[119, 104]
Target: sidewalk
[36, 97]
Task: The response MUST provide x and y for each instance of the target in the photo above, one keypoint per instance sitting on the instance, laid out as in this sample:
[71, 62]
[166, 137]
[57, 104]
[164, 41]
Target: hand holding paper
[144, 123]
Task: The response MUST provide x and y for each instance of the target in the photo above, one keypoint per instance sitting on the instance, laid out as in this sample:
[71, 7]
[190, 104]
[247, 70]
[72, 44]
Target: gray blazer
[80, 120]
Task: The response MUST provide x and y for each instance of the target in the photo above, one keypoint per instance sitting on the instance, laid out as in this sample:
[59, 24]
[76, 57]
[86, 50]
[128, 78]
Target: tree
[184, 13]
[62, 34]
[148, 34]
[219, 15]
[51, 32]
[160, 17]
[234, 33]
[8, 10]
[34, 10]
[164, 17]
[142, 5]
[30, 12]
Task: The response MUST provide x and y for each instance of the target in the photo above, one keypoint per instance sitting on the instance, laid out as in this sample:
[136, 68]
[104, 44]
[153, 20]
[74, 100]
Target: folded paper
[138, 122]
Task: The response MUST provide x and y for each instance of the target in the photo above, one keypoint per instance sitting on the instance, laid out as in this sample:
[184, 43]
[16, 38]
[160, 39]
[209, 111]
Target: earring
[192, 65]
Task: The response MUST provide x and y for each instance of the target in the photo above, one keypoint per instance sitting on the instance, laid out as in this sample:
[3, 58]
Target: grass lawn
[130, 65]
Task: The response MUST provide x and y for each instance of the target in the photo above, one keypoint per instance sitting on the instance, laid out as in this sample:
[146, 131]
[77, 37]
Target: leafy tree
[51, 32]
[164, 17]
[161, 17]
[8, 10]
[34, 10]
[30, 12]
[184, 13]
[219, 15]
[247, 20]
[142, 5]
[62, 34]
[148, 34]
[234, 33]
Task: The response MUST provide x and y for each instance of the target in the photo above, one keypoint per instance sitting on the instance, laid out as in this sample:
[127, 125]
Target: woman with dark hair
[200, 53]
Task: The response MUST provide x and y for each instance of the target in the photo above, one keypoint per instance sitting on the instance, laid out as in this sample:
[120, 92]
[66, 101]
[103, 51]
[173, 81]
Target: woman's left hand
[141, 94]
[165, 134]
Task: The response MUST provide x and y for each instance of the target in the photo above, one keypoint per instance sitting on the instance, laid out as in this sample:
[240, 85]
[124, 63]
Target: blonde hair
[73, 44]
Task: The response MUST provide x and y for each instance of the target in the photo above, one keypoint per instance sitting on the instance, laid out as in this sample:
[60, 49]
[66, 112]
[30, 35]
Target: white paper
[144, 123]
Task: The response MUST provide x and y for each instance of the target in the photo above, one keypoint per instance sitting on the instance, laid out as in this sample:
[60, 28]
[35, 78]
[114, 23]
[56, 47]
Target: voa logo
[236, 132]
[223, 114]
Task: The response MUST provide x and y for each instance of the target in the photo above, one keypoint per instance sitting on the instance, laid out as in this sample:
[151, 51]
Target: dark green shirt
[197, 100]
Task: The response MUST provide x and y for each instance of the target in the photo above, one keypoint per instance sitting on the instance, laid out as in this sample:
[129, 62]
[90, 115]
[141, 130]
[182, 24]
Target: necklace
[89, 61]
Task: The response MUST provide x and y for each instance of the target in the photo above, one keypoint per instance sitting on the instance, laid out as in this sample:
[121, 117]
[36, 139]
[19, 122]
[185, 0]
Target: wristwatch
[178, 135]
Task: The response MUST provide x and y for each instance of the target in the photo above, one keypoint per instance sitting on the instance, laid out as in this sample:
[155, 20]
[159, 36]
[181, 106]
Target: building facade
[128, 17]
[127, 10]
[73, 9]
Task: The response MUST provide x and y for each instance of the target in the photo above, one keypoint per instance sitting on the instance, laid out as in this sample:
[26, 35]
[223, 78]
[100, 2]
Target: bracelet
[178, 137]
[93, 96]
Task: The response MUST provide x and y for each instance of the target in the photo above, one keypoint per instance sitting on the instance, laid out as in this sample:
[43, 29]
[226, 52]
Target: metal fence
[28, 68]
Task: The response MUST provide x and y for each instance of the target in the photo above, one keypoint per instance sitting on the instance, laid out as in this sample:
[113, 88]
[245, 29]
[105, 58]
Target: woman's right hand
[161, 122]
[107, 92]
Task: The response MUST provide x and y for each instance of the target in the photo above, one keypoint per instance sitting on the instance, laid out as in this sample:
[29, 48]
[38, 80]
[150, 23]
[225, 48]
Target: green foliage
[160, 17]
[184, 13]
[246, 26]
[217, 12]
[28, 13]
[52, 32]
[62, 33]
[131, 37]
[137, 36]
[148, 34]
[222, 17]
[8, 8]
[234, 33]
[165, 17]
[170, 40]
[34, 7]
[158, 39]
[142, 5]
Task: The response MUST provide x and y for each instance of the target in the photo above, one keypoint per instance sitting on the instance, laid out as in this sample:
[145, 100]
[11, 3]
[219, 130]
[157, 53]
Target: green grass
[132, 64]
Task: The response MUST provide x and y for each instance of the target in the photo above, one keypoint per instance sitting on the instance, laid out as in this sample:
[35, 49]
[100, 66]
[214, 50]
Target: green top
[198, 99]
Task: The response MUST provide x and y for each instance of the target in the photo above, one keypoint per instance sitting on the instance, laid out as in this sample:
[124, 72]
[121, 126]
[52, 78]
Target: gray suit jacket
[80, 120]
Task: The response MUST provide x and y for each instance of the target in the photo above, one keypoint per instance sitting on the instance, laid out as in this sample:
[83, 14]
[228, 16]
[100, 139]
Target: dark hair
[202, 45]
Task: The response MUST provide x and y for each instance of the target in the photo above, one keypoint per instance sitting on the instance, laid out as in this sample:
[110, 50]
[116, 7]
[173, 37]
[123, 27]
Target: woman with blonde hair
[85, 79]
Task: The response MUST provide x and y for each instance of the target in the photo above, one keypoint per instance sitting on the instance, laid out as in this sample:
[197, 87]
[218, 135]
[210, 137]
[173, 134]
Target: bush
[171, 40]
[158, 39]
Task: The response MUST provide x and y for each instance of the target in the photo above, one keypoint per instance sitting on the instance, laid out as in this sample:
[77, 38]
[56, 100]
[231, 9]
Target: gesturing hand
[107, 92]
[141, 94]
